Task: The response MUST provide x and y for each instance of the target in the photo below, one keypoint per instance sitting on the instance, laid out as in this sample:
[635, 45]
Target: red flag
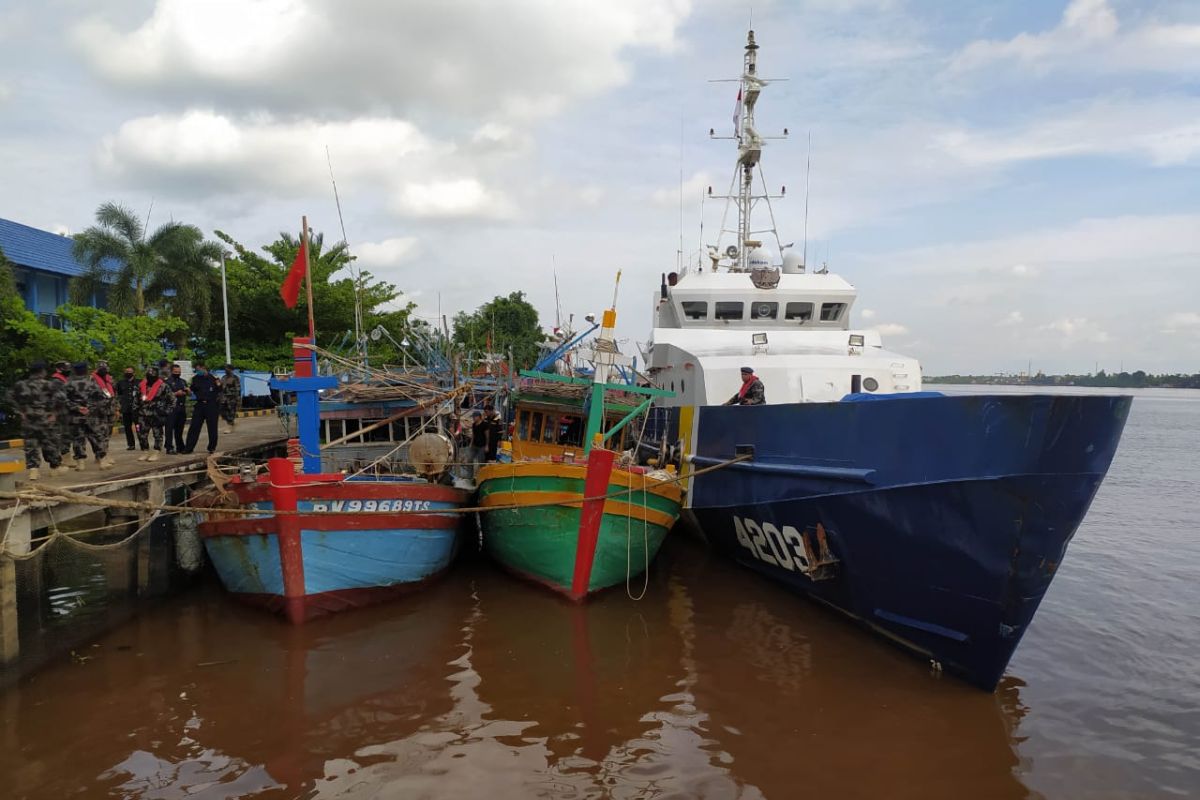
[290, 290]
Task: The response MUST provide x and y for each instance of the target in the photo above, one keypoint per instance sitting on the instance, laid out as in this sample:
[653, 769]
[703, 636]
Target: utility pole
[225, 310]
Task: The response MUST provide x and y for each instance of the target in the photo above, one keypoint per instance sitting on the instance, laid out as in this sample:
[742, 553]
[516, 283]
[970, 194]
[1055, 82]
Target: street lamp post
[225, 311]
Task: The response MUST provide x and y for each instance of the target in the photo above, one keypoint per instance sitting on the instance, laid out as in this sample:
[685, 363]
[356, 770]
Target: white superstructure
[744, 309]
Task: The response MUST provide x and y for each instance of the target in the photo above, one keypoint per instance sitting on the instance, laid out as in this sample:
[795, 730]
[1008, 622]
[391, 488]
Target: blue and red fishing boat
[314, 542]
[343, 543]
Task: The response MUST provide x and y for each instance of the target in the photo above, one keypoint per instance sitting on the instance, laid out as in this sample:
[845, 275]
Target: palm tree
[171, 269]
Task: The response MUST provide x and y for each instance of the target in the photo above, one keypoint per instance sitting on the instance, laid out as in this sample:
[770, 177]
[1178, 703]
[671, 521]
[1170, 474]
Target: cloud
[201, 151]
[1076, 330]
[1091, 38]
[1182, 322]
[448, 199]
[692, 188]
[868, 313]
[1135, 239]
[386, 253]
[891, 329]
[521, 60]
[1164, 129]
[1012, 319]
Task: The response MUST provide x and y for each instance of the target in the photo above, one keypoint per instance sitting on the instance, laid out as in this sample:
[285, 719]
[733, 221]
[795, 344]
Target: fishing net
[69, 581]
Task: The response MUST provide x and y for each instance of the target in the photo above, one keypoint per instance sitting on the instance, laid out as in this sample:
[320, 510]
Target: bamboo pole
[304, 243]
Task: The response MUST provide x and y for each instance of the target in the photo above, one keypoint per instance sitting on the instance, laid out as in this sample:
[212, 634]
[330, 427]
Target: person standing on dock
[37, 400]
[62, 415]
[106, 410]
[126, 392]
[207, 391]
[88, 404]
[178, 388]
[152, 403]
[231, 397]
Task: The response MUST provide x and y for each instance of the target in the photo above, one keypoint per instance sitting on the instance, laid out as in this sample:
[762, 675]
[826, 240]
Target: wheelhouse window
[728, 309]
[798, 311]
[535, 427]
[695, 309]
[523, 425]
[764, 310]
[550, 432]
[832, 312]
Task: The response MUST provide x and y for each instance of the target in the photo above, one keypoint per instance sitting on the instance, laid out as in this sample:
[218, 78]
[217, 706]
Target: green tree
[261, 326]
[169, 270]
[499, 324]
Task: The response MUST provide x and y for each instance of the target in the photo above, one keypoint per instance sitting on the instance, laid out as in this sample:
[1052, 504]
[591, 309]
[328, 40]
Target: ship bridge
[734, 300]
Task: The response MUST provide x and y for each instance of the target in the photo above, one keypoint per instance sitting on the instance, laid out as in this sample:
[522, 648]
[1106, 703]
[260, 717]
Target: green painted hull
[539, 542]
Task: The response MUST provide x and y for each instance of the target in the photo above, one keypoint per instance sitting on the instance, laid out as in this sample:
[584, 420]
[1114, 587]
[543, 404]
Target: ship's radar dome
[760, 258]
[793, 262]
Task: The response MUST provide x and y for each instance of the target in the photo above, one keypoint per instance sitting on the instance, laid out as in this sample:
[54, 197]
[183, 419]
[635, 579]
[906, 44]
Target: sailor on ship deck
[751, 393]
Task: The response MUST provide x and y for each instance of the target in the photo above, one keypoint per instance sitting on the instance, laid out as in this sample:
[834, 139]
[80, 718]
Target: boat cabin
[549, 420]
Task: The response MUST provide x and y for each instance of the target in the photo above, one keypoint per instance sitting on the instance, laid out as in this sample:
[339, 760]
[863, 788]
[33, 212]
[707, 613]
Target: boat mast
[750, 145]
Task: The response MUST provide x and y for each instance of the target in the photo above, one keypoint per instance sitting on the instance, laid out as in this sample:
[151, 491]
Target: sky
[1004, 183]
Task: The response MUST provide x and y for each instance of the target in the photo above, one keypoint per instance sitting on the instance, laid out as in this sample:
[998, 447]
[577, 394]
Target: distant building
[43, 266]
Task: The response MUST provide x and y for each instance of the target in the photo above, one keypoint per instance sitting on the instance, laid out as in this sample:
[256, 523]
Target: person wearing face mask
[104, 409]
[152, 403]
[207, 391]
[126, 389]
[178, 413]
[88, 402]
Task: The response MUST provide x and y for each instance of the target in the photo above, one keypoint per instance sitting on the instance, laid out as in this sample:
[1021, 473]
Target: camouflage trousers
[41, 441]
[151, 425]
[229, 409]
[89, 431]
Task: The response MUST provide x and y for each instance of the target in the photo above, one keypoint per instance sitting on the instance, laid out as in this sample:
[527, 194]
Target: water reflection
[798, 697]
[709, 687]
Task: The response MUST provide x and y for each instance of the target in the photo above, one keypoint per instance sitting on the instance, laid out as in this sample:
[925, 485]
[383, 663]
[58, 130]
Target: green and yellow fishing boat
[565, 513]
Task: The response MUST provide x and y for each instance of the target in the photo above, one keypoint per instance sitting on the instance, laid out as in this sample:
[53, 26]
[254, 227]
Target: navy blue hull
[938, 521]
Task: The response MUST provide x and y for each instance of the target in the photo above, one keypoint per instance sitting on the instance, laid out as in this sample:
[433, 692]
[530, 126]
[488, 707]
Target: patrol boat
[938, 521]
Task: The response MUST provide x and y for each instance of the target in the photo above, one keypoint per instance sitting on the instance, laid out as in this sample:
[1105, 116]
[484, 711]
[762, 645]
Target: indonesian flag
[737, 114]
[290, 290]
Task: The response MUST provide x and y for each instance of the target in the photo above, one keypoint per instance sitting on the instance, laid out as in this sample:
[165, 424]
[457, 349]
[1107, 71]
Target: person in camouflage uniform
[231, 397]
[62, 412]
[37, 400]
[106, 410]
[151, 404]
[88, 402]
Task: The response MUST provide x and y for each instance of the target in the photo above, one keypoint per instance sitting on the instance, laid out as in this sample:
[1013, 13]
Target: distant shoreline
[1121, 380]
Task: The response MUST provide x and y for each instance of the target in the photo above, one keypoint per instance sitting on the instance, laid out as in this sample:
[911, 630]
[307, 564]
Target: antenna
[354, 273]
[557, 307]
[679, 265]
[807, 176]
[147, 225]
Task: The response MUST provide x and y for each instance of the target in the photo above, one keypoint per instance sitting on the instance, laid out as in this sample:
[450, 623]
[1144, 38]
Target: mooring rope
[43, 495]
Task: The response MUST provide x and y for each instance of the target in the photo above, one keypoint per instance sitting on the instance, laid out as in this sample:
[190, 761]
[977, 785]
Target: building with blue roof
[43, 267]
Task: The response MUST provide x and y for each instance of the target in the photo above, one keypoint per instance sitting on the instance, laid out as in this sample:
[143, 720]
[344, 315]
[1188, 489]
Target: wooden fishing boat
[322, 542]
[351, 542]
[565, 513]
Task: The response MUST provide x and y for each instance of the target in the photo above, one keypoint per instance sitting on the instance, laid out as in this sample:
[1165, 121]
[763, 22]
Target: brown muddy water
[714, 685]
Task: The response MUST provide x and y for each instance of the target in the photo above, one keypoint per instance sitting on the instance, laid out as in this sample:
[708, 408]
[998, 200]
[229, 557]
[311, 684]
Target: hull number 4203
[769, 544]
